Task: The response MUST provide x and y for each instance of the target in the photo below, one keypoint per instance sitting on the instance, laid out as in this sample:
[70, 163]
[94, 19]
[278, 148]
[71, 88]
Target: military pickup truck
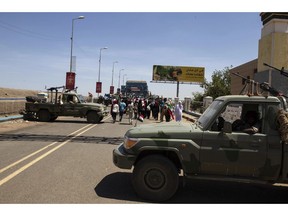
[212, 148]
[66, 103]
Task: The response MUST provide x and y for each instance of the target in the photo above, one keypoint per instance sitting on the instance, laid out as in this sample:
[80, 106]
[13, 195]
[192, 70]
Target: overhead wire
[26, 32]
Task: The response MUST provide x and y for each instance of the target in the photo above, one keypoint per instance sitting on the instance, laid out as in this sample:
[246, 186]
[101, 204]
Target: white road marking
[36, 152]
[6, 179]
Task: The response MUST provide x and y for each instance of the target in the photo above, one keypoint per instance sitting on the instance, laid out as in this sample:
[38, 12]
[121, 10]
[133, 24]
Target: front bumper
[121, 159]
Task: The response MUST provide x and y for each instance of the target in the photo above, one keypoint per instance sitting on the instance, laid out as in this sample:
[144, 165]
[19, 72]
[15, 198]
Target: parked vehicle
[66, 103]
[213, 148]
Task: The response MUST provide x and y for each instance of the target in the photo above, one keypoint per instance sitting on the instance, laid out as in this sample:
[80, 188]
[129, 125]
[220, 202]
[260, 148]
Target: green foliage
[220, 84]
[197, 101]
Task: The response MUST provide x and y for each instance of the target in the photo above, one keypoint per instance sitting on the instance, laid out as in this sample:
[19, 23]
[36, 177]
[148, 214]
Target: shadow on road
[60, 138]
[118, 186]
[213, 192]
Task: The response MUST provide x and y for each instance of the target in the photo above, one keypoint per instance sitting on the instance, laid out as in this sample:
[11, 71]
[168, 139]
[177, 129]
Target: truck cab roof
[259, 99]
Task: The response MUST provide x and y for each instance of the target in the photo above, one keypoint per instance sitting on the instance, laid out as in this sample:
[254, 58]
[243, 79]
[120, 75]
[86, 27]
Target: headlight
[130, 142]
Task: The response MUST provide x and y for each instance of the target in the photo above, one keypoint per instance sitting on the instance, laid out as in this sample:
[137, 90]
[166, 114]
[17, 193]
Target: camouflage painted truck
[210, 148]
[66, 103]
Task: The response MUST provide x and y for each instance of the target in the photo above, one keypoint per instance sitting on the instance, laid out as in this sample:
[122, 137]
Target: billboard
[178, 73]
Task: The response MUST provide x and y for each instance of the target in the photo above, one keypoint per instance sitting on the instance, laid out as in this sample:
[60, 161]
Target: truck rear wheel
[44, 116]
[93, 117]
[29, 116]
[53, 118]
[155, 178]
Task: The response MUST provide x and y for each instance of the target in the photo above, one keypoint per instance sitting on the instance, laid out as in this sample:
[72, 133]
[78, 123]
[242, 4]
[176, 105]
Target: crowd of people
[146, 108]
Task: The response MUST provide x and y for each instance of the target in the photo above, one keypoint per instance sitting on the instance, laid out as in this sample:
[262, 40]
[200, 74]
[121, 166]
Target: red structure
[70, 80]
[111, 89]
[98, 87]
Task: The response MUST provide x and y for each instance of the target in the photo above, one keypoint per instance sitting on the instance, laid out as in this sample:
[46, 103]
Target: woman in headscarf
[178, 111]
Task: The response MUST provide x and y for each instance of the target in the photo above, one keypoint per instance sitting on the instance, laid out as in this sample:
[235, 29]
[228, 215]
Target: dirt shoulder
[18, 93]
[13, 125]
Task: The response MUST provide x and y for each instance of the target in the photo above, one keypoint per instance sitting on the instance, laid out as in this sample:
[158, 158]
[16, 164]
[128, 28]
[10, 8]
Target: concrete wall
[11, 107]
[8, 106]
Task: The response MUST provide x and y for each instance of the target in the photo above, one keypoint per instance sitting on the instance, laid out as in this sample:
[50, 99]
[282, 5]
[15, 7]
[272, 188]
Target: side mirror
[227, 128]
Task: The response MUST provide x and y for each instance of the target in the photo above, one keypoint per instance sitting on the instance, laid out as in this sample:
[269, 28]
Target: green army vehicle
[211, 148]
[66, 103]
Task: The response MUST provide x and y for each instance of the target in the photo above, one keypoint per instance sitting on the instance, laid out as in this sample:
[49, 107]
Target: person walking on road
[162, 108]
[129, 112]
[122, 107]
[178, 111]
[114, 110]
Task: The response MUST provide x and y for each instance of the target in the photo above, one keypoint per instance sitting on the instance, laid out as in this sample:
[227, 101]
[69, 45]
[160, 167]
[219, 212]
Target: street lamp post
[123, 79]
[100, 62]
[113, 72]
[119, 78]
[80, 17]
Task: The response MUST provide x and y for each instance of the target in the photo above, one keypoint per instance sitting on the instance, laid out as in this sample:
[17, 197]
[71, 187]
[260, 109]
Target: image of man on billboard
[178, 73]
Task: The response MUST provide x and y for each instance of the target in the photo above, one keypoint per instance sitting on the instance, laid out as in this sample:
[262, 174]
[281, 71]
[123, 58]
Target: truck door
[68, 106]
[233, 154]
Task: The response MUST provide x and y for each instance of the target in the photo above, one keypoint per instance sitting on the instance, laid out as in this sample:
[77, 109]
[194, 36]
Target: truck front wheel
[93, 117]
[44, 116]
[155, 178]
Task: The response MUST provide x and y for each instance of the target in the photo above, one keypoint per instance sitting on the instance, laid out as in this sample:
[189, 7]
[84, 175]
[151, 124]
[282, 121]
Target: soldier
[250, 125]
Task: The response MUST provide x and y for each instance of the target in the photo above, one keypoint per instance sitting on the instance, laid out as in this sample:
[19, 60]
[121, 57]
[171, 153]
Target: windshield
[209, 113]
[81, 98]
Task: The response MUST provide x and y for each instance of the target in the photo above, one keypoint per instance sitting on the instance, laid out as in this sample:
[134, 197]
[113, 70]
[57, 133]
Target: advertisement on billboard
[178, 73]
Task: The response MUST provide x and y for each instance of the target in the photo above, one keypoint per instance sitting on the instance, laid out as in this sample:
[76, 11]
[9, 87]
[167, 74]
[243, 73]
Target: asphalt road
[70, 161]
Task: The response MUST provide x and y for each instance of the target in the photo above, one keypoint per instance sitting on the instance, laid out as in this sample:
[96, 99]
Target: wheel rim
[154, 179]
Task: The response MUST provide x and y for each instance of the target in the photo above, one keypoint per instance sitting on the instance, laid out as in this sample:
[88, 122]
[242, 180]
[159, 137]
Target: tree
[197, 102]
[220, 84]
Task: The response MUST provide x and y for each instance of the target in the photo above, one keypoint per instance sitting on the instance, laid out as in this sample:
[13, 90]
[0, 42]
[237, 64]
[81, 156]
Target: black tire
[28, 117]
[93, 117]
[155, 178]
[53, 118]
[44, 116]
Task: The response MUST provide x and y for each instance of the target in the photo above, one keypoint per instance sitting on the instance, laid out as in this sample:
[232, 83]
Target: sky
[35, 45]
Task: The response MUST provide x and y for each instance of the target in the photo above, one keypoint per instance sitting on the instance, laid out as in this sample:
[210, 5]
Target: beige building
[272, 50]
[246, 70]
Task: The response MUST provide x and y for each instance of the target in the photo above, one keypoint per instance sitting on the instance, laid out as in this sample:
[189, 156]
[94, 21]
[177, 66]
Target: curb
[188, 118]
[9, 118]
